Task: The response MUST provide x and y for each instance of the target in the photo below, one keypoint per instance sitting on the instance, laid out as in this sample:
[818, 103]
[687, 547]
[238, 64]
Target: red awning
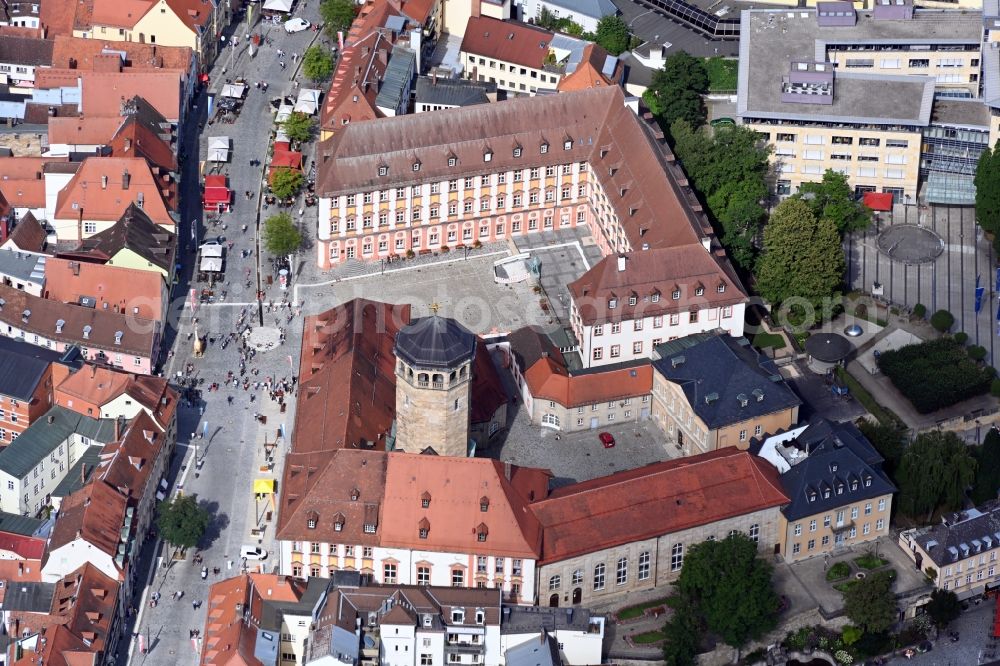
[286, 159]
[881, 201]
[217, 195]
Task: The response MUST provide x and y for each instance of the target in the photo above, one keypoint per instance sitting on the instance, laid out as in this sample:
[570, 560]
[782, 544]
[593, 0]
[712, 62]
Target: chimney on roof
[104, 182]
[118, 429]
[126, 179]
[51, 419]
[706, 242]
[621, 263]
[506, 470]
[83, 473]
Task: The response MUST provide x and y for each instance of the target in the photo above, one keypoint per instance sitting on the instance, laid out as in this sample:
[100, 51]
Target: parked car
[253, 552]
[297, 25]
[607, 439]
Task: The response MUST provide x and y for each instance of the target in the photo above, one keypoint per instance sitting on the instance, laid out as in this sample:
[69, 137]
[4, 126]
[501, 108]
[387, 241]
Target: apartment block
[960, 554]
[867, 93]
[513, 55]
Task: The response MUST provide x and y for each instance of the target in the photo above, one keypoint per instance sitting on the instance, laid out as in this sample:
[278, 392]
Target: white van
[253, 552]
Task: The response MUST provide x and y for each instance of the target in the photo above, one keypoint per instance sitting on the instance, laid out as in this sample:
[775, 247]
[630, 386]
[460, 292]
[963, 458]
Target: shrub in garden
[961, 337]
[942, 320]
[920, 310]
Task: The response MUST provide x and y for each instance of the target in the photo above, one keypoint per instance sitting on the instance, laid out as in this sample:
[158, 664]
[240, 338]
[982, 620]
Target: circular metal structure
[828, 347]
[853, 331]
[435, 342]
[910, 243]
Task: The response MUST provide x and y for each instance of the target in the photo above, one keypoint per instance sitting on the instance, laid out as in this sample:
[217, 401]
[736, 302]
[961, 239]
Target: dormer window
[481, 532]
[544, 148]
[452, 160]
[632, 300]
[676, 294]
[423, 533]
[517, 151]
[840, 489]
[612, 303]
[480, 616]
[699, 290]
[338, 523]
[311, 520]
[423, 528]
[488, 156]
[484, 504]
[868, 481]
[655, 297]
[425, 500]
[826, 493]
[383, 170]
[458, 615]
[812, 496]
[355, 494]
[369, 528]
[567, 144]
[854, 484]
[416, 166]
[721, 288]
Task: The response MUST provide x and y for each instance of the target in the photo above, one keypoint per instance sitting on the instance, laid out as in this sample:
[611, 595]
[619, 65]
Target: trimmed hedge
[961, 337]
[942, 320]
[920, 310]
[935, 374]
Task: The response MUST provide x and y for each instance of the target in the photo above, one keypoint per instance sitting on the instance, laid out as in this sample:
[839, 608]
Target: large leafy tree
[612, 33]
[987, 468]
[281, 237]
[933, 475]
[833, 199]
[317, 63]
[337, 15]
[299, 126]
[730, 587]
[678, 87]
[182, 521]
[987, 183]
[682, 634]
[286, 182]
[802, 255]
[870, 603]
[888, 439]
[728, 168]
[943, 608]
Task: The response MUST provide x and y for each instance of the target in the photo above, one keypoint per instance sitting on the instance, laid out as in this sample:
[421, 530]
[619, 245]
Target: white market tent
[211, 257]
[234, 90]
[284, 112]
[218, 149]
[308, 101]
[283, 6]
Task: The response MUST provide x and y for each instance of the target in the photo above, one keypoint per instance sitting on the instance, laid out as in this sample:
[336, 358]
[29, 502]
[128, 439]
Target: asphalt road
[231, 445]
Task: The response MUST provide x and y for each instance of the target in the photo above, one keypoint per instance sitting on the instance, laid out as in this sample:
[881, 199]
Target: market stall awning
[218, 149]
[264, 486]
[881, 201]
[308, 101]
[284, 112]
[283, 6]
[287, 159]
[211, 250]
[210, 264]
[216, 192]
[234, 90]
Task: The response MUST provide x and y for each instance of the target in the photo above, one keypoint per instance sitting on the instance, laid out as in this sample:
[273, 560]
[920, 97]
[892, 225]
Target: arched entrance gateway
[554, 601]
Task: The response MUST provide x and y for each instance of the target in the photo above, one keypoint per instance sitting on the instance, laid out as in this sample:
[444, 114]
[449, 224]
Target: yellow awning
[263, 486]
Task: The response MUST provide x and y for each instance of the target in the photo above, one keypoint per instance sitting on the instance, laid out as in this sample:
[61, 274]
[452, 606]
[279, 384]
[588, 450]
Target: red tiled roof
[135, 139]
[95, 513]
[25, 547]
[355, 84]
[83, 131]
[58, 18]
[588, 73]
[507, 41]
[126, 464]
[83, 53]
[122, 290]
[548, 380]
[104, 92]
[119, 13]
[100, 385]
[21, 180]
[99, 201]
[487, 389]
[28, 235]
[56, 78]
[654, 500]
[193, 13]
[655, 274]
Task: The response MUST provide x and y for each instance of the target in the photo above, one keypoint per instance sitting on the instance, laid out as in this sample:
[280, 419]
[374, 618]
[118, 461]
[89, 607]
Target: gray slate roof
[397, 80]
[435, 342]
[944, 543]
[17, 524]
[80, 473]
[453, 92]
[29, 597]
[22, 366]
[838, 455]
[535, 652]
[720, 373]
[22, 265]
[42, 438]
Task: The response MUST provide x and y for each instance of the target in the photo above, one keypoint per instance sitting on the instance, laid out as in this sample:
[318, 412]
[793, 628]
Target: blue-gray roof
[534, 652]
[80, 473]
[22, 265]
[725, 380]
[15, 523]
[42, 438]
[597, 9]
[29, 597]
[454, 92]
[435, 342]
[839, 466]
[398, 79]
[22, 366]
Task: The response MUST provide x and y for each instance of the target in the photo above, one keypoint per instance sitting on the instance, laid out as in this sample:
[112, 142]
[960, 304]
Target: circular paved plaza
[910, 244]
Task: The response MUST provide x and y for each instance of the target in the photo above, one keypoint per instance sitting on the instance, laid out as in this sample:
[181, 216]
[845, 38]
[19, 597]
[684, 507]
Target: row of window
[957, 583]
[517, 69]
[517, 175]
[971, 564]
[839, 537]
[828, 521]
[819, 140]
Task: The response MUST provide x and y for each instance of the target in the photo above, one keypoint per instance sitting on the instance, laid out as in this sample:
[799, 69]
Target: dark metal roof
[29, 597]
[22, 366]
[435, 342]
[725, 380]
[17, 524]
[453, 92]
[828, 347]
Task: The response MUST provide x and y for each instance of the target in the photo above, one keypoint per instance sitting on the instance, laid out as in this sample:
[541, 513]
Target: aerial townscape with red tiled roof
[498, 332]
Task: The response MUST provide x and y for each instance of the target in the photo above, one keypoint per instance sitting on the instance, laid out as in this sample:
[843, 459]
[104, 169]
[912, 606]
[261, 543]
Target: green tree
[286, 182]
[987, 481]
[299, 126]
[802, 255]
[281, 236]
[182, 521]
[888, 439]
[682, 634]
[833, 199]
[943, 320]
[933, 475]
[612, 33]
[317, 63]
[987, 183]
[678, 87]
[731, 588]
[337, 15]
[871, 604]
[943, 608]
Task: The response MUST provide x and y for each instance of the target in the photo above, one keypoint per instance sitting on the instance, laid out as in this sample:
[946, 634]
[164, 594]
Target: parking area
[458, 287]
[578, 456]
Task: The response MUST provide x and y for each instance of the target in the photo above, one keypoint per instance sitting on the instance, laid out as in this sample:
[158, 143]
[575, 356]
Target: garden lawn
[630, 612]
[765, 340]
[838, 571]
[648, 637]
[870, 562]
[935, 374]
[722, 74]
